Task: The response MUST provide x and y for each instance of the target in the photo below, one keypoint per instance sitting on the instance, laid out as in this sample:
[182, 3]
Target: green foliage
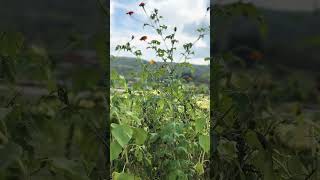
[252, 135]
[160, 121]
[54, 130]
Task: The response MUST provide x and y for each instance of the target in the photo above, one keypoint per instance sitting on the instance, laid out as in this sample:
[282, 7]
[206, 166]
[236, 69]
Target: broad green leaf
[123, 134]
[115, 150]
[140, 135]
[263, 161]
[177, 175]
[296, 166]
[227, 149]
[204, 141]
[200, 124]
[252, 140]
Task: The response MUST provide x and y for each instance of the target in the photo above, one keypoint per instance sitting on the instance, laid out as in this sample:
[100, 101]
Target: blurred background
[53, 78]
[280, 39]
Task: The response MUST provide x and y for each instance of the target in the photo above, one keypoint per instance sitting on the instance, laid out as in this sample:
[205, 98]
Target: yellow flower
[152, 61]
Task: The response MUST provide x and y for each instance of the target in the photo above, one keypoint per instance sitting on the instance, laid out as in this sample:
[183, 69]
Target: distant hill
[125, 65]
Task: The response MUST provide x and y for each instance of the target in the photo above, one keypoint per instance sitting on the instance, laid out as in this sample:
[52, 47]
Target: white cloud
[175, 12]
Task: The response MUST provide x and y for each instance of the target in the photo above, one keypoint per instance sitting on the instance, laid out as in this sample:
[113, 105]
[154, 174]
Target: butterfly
[130, 13]
[143, 38]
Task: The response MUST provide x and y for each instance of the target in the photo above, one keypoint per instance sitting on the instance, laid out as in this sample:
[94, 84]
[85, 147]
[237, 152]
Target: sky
[186, 15]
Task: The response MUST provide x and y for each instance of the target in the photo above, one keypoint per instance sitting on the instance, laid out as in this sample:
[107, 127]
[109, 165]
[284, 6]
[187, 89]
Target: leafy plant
[251, 136]
[52, 125]
[159, 123]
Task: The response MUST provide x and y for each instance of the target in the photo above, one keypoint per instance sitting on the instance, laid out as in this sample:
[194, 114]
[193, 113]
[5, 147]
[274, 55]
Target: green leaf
[70, 168]
[252, 140]
[123, 134]
[263, 161]
[177, 175]
[140, 135]
[123, 176]
[204, 142]
[199, 168]
[200, 124]
[9, 153]
[115, 150]
[227, 149]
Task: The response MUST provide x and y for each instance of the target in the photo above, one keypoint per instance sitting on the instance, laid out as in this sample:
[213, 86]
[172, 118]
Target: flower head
[152, 61]
[130, 13]
[142, 4]
[255, 55]
[143, 38]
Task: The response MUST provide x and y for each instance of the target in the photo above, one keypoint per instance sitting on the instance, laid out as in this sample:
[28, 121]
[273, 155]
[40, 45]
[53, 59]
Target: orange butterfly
[143, 38]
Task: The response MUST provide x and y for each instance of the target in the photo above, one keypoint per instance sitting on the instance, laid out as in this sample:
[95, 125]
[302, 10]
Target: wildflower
[255, 55]
[143, 38]
[130, 13]
[142, 4]
[152, 61]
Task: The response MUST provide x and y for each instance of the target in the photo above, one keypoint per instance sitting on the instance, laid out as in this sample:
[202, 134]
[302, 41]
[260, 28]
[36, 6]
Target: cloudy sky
[187, 15]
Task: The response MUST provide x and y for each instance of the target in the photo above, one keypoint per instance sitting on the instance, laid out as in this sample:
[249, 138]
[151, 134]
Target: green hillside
[126, 65]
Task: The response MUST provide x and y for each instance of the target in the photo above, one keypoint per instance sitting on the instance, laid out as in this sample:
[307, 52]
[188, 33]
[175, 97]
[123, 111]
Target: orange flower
[130, 13]
[256, 55]
[142, 4]
[152, 61]
[143, 38]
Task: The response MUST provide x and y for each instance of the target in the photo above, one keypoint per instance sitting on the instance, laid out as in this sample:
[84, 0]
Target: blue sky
[187, 15]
